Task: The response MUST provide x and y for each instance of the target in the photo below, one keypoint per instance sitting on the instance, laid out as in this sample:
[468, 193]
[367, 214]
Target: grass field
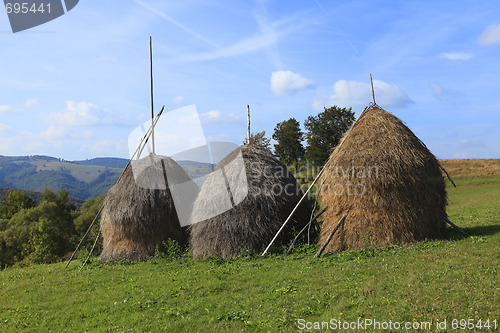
[427, 282]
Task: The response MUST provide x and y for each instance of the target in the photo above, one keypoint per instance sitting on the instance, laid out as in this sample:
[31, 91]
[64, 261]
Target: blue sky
[77, 86]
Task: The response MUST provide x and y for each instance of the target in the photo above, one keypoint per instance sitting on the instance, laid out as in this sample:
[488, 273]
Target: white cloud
[212, 114]
[288, 83]
[490, 36]
[457, 56]
[442, 93]
[472, 143]
[460, 155]
[81, 114]
[31, 102]
[354, 93]
[178, 99]
[217, 116]
[5, 108]
[106, 147]
[4, 129]
[54, 132]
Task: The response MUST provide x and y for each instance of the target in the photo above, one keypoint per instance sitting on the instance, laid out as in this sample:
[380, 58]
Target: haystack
[390, 182]
[139, 212]
[257, 195]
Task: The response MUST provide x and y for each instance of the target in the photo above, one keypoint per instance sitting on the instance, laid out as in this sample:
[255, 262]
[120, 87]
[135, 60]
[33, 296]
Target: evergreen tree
[289, 148]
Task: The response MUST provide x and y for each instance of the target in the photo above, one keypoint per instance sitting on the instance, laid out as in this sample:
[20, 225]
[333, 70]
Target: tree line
[45, 231]
[323, 133]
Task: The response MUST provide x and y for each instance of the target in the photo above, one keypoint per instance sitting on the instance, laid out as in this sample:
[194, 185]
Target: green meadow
[421, 284]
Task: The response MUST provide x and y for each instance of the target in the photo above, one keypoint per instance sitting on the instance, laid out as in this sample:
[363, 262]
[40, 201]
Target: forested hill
[82, 179]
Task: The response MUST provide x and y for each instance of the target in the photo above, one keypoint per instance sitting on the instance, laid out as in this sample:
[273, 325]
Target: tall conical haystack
[139, 212]
[390, 182]
[259, 209]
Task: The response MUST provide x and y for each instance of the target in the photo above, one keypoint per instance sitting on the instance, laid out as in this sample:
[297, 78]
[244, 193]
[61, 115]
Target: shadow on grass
[483, 230]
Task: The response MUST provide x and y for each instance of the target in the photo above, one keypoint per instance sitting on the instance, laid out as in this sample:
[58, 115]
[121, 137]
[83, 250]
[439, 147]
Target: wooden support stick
[248, 124]
[91, 250]
[447, 175]
[303, 229]
[152, 110]
[85, 235]
[373, 91]
[457, 228]
[318, 254]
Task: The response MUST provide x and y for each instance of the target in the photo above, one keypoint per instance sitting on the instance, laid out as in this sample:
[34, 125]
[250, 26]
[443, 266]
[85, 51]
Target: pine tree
[289, 136]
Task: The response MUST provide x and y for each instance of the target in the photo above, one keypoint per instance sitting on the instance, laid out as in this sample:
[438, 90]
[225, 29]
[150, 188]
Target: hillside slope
[35, 173]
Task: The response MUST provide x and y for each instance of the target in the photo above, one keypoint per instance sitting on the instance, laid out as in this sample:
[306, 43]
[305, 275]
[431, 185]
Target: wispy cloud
[178, 99]
[105, 147]
[31, 102]
[354, 93]
[5, 108]
[457, 56]
[175, 22]
[81, 114]
[246, 45]
[439, 92]
[288, 82]
[490, 36]
[218, 116]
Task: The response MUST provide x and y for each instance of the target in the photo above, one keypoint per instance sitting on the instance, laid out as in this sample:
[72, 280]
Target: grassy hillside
[421, 283]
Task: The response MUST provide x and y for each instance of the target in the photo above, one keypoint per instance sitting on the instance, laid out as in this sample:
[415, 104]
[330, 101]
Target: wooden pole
[447, 175]
[152, 110]
[318, 254]
[248, 124]
[373, 92]
[303, 229]
[457, 228]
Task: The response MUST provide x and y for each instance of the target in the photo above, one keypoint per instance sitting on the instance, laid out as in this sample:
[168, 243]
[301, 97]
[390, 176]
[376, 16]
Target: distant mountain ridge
[83, 179]
[37, 172]
[110, 162]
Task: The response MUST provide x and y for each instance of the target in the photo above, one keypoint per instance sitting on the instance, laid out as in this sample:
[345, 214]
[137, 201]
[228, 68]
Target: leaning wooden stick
[312, 212]
[303, 229]
[139, 149]
[91, 250]
[447, 175]
[457, 227]
[318, 254]
[84, 236]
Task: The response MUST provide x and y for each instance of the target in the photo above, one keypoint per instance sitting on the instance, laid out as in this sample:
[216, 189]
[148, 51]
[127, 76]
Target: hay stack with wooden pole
[139, 213]
[388, 180]
[256, 194]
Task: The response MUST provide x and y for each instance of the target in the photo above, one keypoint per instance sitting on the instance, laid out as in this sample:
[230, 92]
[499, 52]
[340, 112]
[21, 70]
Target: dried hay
[259, 209]
[136, 220]
[390, 182]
